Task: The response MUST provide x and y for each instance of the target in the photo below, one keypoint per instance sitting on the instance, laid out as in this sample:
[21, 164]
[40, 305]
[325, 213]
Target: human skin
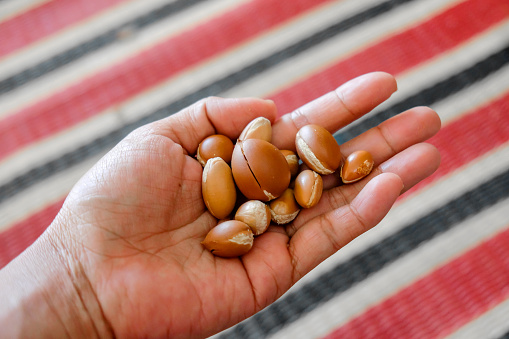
[123, 256]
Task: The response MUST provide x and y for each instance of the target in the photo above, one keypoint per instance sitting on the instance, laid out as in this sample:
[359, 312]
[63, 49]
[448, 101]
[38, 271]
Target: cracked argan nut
[357, 165]
[255, 214]
[259, 128]
[216, 145]
[229, 239]
[260, 169]
[292, 160]
[318, 149]
[284, 209]
[308, 188]
[218, 188]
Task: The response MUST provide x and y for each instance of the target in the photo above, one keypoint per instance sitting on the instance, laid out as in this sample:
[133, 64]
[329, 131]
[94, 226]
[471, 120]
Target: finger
[415, 125]
[324, 235]
[421, 160]
[335, 109]
[209, 116]
[391, 136]
[411, 165]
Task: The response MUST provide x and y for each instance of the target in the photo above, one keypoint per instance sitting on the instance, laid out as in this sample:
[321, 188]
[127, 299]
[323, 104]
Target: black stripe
[345, 275]
[427, 96]
[87, 47]
[96, 146]
[505, 336]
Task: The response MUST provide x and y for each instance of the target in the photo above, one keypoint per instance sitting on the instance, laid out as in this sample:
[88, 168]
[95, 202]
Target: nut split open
[318, 149]
[260, 169]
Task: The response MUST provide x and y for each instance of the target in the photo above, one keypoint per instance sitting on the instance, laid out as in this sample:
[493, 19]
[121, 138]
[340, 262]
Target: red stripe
[19, 236]
[400, 52]
[143, 71]
[46, 19]
[441, 302]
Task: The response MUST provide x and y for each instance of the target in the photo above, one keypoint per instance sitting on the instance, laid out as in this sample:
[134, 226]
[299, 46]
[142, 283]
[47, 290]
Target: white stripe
[58, 144]
[76, 34]
[42, 194]
[12, 8]
[492, 324]
[107, 57]
[399, 274]
[487, 90]
[339, 47]
[442, 67]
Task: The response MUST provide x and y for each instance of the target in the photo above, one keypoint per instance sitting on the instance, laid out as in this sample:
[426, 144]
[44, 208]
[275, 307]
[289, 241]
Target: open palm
[135, 220]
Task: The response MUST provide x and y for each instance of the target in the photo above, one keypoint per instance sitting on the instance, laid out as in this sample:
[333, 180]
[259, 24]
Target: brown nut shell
[260, 169]
[229, 239]
[259, 128]
[318, 149]
[308, 188]
[293, 161]
[357, 165]
[216, 145]
[284, 209]
[218, 188]
[255, 214]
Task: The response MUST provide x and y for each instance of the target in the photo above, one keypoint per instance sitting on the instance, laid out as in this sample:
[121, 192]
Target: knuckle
[327, 227]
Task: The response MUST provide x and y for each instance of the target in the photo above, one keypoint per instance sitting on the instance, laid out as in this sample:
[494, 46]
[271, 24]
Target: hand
[129, 232]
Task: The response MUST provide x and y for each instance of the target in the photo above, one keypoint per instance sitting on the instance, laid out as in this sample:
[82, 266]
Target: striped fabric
[77, 75]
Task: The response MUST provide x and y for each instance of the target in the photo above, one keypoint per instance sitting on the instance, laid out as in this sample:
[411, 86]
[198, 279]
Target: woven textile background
[77, 75]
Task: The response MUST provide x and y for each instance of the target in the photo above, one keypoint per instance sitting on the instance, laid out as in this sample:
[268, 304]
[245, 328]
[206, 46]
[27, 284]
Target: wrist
[47, 294]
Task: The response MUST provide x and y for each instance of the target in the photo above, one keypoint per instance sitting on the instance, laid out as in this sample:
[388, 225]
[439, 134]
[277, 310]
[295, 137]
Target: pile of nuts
[264, 184]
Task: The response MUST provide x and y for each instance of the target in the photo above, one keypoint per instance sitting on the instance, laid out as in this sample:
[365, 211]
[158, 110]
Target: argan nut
[292, 160]
[255, 214]
[318, 149]
[357, 165]
[218, 188]
[260, 169]
[216, 145]
[229, 239]
[284, 209]
[308, 188]
[259, 128]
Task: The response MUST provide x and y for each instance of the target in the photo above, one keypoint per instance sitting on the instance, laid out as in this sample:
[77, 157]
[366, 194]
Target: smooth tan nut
[218, 188]
[293, 161]
[308, 188]
[229, 239]
[357, 165]
[259, 128]
[284, 209]
[318, 149]
[260, 169]
[255, 214]
[216, 145]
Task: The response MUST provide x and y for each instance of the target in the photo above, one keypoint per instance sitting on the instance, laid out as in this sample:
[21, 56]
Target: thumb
[212, 115]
